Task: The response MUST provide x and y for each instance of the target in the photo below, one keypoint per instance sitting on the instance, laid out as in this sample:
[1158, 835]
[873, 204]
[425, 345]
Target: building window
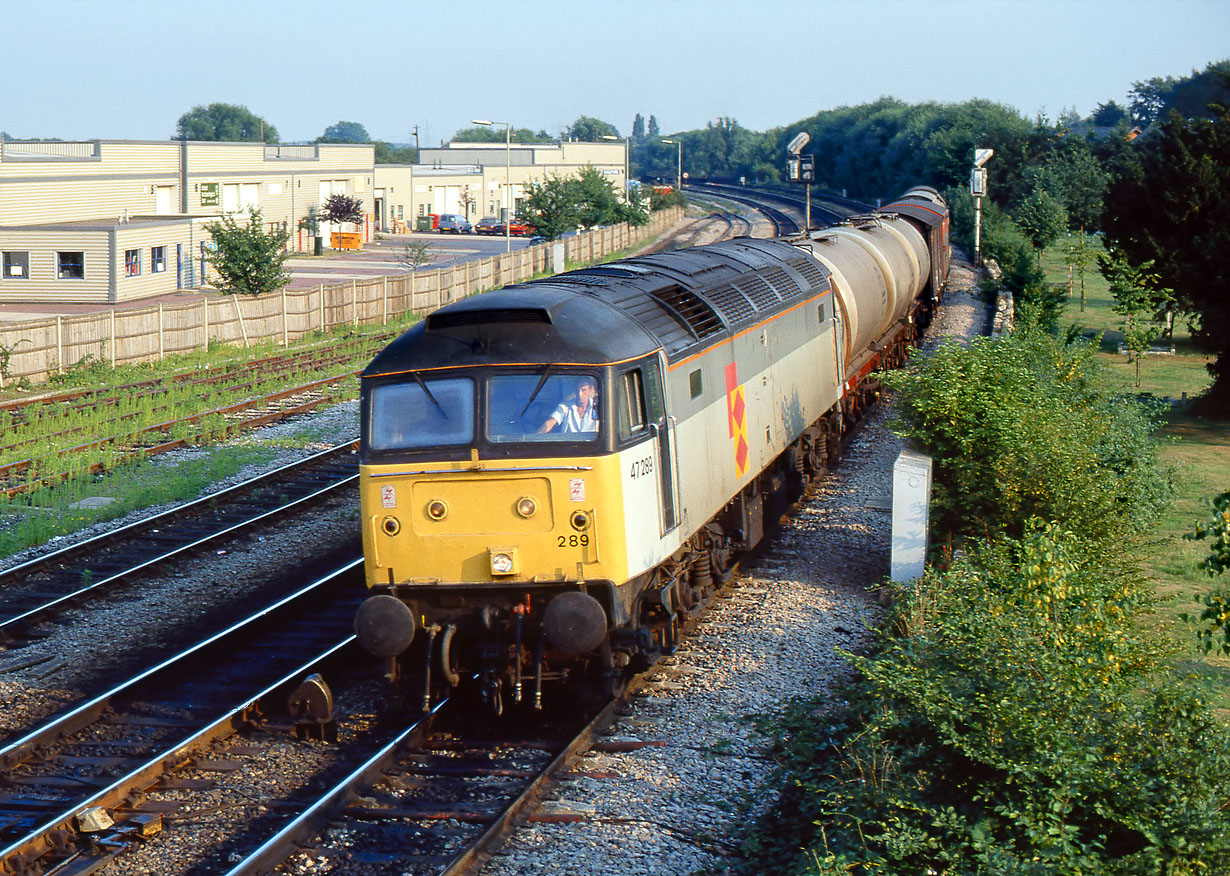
[132, 262]
[16, 266]
[70, 265]
[157, 259]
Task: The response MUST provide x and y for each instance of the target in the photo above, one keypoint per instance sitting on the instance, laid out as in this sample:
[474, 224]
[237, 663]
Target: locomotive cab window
[630, 405]
[544, 406]
[413, 414]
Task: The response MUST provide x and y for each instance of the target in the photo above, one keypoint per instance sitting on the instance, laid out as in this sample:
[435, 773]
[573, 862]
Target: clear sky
[128, 69]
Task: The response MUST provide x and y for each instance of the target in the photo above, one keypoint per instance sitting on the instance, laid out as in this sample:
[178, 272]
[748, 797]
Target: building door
[162, 200]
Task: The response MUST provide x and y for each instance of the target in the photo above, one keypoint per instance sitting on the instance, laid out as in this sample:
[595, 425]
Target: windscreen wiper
[537, 389]
[423, 386]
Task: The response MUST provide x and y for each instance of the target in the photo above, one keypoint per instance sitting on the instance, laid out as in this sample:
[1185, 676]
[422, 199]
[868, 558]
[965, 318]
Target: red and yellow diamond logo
[736, 416]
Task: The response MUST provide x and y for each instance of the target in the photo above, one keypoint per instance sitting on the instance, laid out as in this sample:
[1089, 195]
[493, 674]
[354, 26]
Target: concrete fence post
[113, 338]
[161, 342]
[59, 343]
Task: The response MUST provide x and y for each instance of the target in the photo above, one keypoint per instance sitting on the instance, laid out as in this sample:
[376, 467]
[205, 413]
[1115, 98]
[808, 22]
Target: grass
[27, 521]
[1199, 451]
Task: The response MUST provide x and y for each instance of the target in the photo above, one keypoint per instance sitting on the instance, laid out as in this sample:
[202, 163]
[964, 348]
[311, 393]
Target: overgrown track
[51, 583]
[53, 439]
[114, 750]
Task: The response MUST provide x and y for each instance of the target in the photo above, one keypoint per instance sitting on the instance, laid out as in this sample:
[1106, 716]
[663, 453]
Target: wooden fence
[37, 349]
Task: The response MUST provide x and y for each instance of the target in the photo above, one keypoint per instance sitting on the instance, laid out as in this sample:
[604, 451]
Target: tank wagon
[554, 475]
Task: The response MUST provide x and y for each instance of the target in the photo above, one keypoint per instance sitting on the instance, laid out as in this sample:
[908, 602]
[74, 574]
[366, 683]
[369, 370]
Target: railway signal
[801, 168]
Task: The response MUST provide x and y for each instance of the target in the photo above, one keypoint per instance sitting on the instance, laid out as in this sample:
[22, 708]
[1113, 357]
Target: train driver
[579, 415]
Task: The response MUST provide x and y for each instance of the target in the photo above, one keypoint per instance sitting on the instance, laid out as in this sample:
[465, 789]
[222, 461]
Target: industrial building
[483, 179]
[110, 221]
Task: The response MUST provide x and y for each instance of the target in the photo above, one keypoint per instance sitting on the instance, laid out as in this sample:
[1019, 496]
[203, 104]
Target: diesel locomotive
[556, 474]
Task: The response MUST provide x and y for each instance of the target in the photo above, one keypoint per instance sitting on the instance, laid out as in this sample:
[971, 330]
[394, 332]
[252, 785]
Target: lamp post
[627, 148]
[679, 178]
[507, 179]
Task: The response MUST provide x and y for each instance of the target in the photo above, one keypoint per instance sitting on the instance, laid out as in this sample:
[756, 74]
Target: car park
[489, 225]
[454, 223]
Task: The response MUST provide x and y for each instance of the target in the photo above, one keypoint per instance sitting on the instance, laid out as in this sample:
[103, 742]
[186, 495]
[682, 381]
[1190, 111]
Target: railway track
[783, 224]
[75, 788]
[54, 439]
[438, 798]
[39, 589]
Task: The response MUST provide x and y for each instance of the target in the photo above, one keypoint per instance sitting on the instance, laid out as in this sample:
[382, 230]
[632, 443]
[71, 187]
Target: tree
[495, 134]
[653, 126]
[341, 208]
[1042, 218]
[638, 127]
[590, 130]
[1138, 299]
[550, 206]
[224, 121]
[345, 132]
[417, 253]
[1109, 114]
[387, 153]
[1078, 258]
[1170, 207]
[248, 259]
[1216, 614]
[598, 202]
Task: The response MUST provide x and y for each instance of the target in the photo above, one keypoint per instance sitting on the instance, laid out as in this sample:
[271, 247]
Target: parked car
[489, 225]
[519, 228]
[454, 223]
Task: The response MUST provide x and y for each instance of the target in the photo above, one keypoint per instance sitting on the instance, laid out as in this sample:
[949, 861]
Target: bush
[1001, 728]
[1023, 426]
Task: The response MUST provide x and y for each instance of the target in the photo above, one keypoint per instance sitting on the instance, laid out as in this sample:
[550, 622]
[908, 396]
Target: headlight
[526, 507]
[437, 509]
[503, 562]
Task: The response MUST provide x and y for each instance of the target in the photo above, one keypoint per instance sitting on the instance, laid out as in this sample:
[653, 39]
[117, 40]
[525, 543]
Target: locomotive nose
[384, 626]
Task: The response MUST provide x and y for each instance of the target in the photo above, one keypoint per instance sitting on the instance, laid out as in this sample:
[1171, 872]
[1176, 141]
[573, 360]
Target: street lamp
[679, 178]
[507, 179]
[627, 147]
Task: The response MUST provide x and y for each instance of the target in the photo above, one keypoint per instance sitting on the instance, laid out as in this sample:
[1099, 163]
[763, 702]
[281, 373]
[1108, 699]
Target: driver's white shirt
[571, 419]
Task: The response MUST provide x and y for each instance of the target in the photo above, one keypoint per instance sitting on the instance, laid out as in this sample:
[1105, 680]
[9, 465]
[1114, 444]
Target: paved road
[382, 257]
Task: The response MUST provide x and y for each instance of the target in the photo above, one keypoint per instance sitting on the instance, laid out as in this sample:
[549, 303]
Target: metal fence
[37, 349]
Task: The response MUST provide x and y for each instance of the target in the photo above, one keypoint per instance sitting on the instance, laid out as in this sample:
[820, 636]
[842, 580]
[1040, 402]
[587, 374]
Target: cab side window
[630, 405]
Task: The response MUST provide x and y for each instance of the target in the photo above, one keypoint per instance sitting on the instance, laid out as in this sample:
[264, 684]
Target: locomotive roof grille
[760, 293]
[733, 303]
[808, 269]
[782, 283]
[453, 319]
[690, 309]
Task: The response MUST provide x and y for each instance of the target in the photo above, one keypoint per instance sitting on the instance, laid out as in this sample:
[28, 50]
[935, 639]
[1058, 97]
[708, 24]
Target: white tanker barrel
[858, 284]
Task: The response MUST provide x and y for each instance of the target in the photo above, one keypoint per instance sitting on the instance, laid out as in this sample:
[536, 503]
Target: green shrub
[1004, 726]
[1024, 426]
